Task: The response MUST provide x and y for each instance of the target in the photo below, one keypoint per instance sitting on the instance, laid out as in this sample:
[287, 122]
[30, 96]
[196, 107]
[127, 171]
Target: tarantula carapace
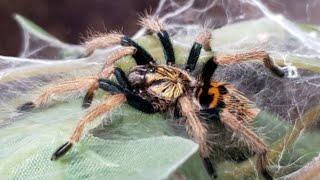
[151, 88]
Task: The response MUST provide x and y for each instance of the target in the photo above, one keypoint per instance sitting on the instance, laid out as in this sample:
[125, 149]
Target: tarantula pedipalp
[151, 88]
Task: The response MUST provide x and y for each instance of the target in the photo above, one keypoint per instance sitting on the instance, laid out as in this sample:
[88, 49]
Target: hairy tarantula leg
[167, 47]
[87, 100]
[106, 71]
[133, 100]
[260, 55]
[256, 143]
[197, 130]
[154, 25]
[141, 56]
[108, 68]
[68, 86]
[102, 41]
[208, 69]
[202, 41]
[109, 104]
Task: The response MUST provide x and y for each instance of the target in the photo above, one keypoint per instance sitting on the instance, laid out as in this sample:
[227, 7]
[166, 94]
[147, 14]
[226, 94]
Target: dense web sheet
[129, 146]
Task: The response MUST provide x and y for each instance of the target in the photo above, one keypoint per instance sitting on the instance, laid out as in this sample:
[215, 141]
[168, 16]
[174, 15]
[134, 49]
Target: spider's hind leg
[197, 130]
[256, 143]
[259, 55]
[209, 167]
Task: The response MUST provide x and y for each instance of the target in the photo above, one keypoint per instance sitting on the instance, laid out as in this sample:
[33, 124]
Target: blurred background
[70, 20]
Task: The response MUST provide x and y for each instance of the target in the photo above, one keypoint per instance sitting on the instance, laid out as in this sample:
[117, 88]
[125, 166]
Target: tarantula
[152, 88]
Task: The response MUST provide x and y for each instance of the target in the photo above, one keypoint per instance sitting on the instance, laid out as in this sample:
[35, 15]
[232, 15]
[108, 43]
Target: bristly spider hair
[151, 88]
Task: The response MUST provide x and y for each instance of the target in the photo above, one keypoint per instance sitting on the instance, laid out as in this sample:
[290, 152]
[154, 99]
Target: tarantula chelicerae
[151, 88]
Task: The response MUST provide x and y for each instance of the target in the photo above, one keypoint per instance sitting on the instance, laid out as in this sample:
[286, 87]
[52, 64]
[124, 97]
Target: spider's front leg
[73, 85]
[132, 97]
[109, 104]
[122, 92]
[91, 83]
[198, 131]
[130, 47]
[106, 71]
[141, 56]
[259, 55]
[155, 26]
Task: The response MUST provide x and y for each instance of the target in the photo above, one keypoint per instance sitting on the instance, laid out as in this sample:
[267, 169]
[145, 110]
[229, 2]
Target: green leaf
[34, 29]
[135, 146]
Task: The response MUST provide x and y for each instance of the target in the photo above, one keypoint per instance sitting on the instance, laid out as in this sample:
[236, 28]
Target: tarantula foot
[87, 100]
[61, 151]
[209, 167]
[26, 107]
[266, 174]
[86, 105]
[279, 72]
[83, 55]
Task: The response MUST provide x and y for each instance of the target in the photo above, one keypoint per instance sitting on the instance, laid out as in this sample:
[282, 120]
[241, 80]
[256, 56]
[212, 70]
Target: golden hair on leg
[254, 55]
[109, 104]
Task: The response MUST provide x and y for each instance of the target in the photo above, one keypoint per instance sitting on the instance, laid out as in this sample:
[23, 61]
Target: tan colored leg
[196, 129]
[112, 58]
[256, 143]
[67, 86]
[152, 25]
[102, 41]
[109, 104]
[106, 71]
[204, 39]
[258, 55]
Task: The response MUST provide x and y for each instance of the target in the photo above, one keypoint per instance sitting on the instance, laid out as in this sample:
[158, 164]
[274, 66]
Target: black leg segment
[122, 78]
[133, 99]
[167, 47]
[209, 167]
[62, 150]
[266, 175]
[26, 107]
[209, 68]
[110, 86]
[141, 104]
[87, 100]
[141, 56]
[193, 56]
